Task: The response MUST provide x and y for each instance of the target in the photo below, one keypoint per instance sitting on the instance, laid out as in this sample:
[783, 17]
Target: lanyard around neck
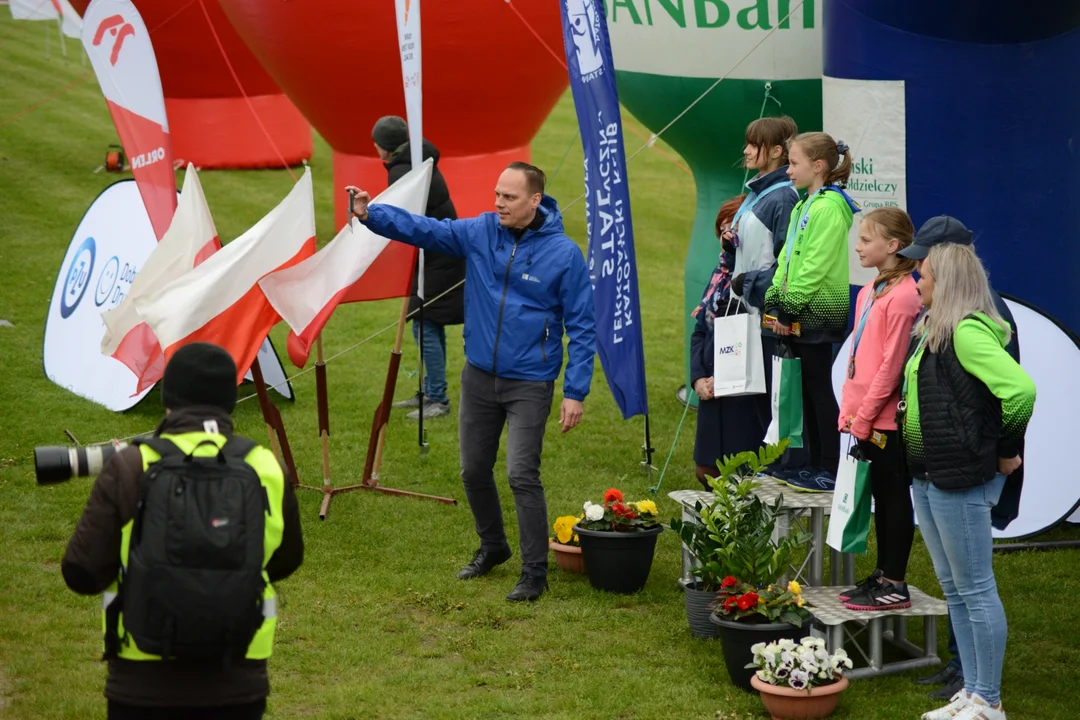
[862, 319]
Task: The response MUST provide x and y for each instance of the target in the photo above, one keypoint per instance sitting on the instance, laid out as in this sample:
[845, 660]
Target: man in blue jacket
[526, 282]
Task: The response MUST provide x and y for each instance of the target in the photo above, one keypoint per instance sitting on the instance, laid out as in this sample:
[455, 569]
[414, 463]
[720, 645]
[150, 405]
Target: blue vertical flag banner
[612, 265]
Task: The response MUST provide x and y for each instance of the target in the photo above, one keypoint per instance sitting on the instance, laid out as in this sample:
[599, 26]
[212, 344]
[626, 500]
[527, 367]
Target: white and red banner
[190, 239]
[306, 294]
[119, 48]
[57, 10]
[220, 301]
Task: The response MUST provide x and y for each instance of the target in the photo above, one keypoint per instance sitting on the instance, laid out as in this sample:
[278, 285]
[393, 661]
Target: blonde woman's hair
[960, 289]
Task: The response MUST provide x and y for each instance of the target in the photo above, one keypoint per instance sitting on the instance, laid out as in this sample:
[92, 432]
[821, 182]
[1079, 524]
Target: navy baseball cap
[936, 231]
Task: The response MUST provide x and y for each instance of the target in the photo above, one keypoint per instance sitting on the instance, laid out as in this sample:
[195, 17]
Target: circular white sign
[109, 246]
[1051, 356]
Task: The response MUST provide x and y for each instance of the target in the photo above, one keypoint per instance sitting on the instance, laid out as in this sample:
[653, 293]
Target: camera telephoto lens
[56, 464]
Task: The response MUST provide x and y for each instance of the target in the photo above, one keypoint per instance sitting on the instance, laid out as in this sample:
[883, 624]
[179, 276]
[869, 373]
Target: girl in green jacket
[808, 301]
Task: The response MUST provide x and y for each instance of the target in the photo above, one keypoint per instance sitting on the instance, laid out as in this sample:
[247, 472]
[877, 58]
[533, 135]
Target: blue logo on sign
[107, 281]
[78, 277]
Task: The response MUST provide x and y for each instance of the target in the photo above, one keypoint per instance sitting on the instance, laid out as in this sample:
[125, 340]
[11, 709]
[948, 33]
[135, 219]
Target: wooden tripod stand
[377, 440]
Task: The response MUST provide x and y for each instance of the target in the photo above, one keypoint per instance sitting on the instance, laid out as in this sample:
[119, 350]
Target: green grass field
[375, 625]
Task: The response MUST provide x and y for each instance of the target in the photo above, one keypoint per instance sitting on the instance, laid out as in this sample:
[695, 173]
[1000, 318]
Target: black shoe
[864, 585]
[885, 596]
[944, 676]
[947, 691]
[483, 562]
[529, 587]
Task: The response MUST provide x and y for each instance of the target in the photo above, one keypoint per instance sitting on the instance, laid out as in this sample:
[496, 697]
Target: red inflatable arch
[488, 82]
[210, 123]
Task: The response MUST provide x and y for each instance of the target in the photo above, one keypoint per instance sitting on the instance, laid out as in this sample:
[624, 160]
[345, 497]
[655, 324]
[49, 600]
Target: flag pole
[279, 441]
[647, 451]
[421, 437]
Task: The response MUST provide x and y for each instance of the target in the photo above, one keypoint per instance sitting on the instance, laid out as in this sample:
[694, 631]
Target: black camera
[56, 464]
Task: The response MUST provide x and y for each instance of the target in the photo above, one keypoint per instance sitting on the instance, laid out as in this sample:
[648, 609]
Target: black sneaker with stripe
[865, 584]
[885, 596]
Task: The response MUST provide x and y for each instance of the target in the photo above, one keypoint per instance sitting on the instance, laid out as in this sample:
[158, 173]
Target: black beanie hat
[390, 133]
[200, 374]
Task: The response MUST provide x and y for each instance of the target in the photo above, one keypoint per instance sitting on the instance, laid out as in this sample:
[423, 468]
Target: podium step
[844, 627]
[829, 610]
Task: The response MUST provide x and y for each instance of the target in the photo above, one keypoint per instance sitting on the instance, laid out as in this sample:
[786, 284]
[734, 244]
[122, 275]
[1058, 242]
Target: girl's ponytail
[835, 155]
[840, 174]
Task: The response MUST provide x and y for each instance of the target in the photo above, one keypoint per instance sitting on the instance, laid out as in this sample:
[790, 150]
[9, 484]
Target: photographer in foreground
[183, 533]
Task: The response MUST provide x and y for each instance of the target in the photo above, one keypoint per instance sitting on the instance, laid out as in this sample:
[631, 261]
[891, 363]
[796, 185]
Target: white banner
[106, 253]
[870, 116]
[408, 27]
[714, 38]
[109, 246]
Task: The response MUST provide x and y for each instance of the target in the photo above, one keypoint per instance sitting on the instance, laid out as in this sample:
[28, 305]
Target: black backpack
[193, 584]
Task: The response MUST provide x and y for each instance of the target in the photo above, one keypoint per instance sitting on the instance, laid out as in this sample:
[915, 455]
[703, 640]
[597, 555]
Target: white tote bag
[738, 363]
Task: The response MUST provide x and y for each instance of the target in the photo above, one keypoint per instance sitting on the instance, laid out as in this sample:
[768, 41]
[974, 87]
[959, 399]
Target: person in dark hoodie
[199, 393]
[442, 273]
[528, 285]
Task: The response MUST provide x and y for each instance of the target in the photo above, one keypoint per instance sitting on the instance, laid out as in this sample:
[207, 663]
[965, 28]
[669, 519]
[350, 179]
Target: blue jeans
[956, 529]
[434, 359]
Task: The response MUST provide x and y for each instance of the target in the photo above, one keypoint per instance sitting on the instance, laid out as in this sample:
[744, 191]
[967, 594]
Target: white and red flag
[190, 239]
[57, 10]
[220, 301]
[119, 48]
[306, 294]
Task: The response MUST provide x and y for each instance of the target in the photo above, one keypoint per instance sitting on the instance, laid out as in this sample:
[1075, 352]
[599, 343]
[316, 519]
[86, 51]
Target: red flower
[730, 603]
[728, 581]
[619, 509]
[748, 601]
[612, 495]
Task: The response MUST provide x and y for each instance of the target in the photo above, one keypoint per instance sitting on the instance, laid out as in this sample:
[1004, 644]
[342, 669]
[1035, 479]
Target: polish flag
[120, 51]
[306, 294]
[190, 239]
[220, 301]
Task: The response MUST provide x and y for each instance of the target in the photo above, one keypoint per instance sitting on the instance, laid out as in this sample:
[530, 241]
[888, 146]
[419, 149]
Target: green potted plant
[618, 541]
[710, 548]
[566, 544]
[799, 681]
[746, 558]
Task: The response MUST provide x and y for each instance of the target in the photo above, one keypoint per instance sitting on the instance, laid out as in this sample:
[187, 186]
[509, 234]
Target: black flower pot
[737, 637]
[698, 612]
[618, 562]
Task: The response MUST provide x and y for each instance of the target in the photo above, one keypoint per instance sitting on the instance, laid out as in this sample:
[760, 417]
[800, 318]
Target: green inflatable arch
[668, 52]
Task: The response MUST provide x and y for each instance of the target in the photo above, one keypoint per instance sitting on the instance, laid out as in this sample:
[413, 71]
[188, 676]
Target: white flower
[758, 649]
[785, 644]
[799, 680]
[821, 654]
[594, 512]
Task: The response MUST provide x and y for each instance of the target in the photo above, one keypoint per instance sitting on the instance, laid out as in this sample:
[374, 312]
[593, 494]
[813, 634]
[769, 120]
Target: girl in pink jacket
[884, 315]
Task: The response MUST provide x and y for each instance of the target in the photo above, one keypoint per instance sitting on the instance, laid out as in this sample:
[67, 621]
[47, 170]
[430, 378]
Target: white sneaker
[979, 709]
[960, 703]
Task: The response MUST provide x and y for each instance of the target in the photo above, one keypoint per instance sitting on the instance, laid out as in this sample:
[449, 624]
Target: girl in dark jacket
[726, 425]
[965, 404]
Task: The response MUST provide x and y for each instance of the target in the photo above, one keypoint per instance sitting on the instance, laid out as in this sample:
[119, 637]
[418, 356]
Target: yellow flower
[800, 601]
[564, 528]
[646, 506]
[793, 587]
[576, 539]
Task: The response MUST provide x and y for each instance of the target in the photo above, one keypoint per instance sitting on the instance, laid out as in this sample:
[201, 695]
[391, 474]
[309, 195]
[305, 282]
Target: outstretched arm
[449, 237]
